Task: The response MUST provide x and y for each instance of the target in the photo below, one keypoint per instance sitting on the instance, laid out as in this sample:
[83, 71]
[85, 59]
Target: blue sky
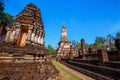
[83, 18]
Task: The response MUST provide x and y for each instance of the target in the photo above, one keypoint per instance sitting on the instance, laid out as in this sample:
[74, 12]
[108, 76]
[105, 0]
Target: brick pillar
[7, 38]
[70, 53]
[103, 56]
[36, 39]
[13, 35]
[39, 38]
[83, 48]
[33, 36]
[17, 34]
[117, 44]
[41, 41]
[29, 34]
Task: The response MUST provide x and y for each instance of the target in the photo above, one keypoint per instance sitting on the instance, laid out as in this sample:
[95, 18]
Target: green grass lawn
[65, 74]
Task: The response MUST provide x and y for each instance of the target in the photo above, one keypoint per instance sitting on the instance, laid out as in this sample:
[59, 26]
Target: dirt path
[84, 77]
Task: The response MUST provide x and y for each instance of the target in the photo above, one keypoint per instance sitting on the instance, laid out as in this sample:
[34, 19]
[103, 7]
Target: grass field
[65, 74]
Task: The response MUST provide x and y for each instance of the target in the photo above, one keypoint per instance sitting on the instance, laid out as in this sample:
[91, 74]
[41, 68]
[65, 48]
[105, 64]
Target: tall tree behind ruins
[5, 19]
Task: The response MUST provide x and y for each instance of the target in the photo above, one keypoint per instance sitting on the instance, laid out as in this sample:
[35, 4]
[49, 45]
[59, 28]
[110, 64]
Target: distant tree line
[100, 42]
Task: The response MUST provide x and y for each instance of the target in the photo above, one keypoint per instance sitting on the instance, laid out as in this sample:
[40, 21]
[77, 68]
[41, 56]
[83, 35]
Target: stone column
[103, 56]
[36, 38]
[13, 35]
[33, 36]
[83, 48]
[70, 53]
[7, 38]
[29, 36]
[39, 38]
[17, 34]
[41, 41]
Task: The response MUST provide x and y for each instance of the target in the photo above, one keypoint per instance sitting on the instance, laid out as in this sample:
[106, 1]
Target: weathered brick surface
[28, 71]
[95, 70]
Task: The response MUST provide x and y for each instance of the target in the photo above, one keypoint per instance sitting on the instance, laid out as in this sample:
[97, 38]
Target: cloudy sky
[83, 18]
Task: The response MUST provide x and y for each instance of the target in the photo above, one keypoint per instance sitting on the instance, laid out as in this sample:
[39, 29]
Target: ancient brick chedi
[27, 28]
[63, 49]
[25, 37]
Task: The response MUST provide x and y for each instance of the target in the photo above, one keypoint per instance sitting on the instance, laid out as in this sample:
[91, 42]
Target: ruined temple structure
[98, 64]
[22, 54]
[27, 28]
[63, 49]
[25, 36]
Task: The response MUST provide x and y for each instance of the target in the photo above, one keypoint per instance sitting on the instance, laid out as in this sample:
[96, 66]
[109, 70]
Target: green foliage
[75, 44]
[8, 18]
[51, 49]
[110, 39]
[99, 42]
[118, 35]
[1, 8]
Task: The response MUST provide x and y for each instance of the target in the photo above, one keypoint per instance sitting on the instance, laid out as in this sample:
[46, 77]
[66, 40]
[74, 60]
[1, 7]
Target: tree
[8, 18]
[99, 42]
[75, 44]
[118, 35]
[5, 17]
[1, 8]
[51, 49]
[110, 41]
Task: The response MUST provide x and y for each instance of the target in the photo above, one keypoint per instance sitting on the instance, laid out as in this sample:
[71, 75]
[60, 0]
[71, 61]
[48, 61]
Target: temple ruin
[65, 50]
[22, 53]
[64, 45]
[25, 36]
[27, 28]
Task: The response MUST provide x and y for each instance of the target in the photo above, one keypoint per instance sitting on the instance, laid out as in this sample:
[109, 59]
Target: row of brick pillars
[102, 54]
